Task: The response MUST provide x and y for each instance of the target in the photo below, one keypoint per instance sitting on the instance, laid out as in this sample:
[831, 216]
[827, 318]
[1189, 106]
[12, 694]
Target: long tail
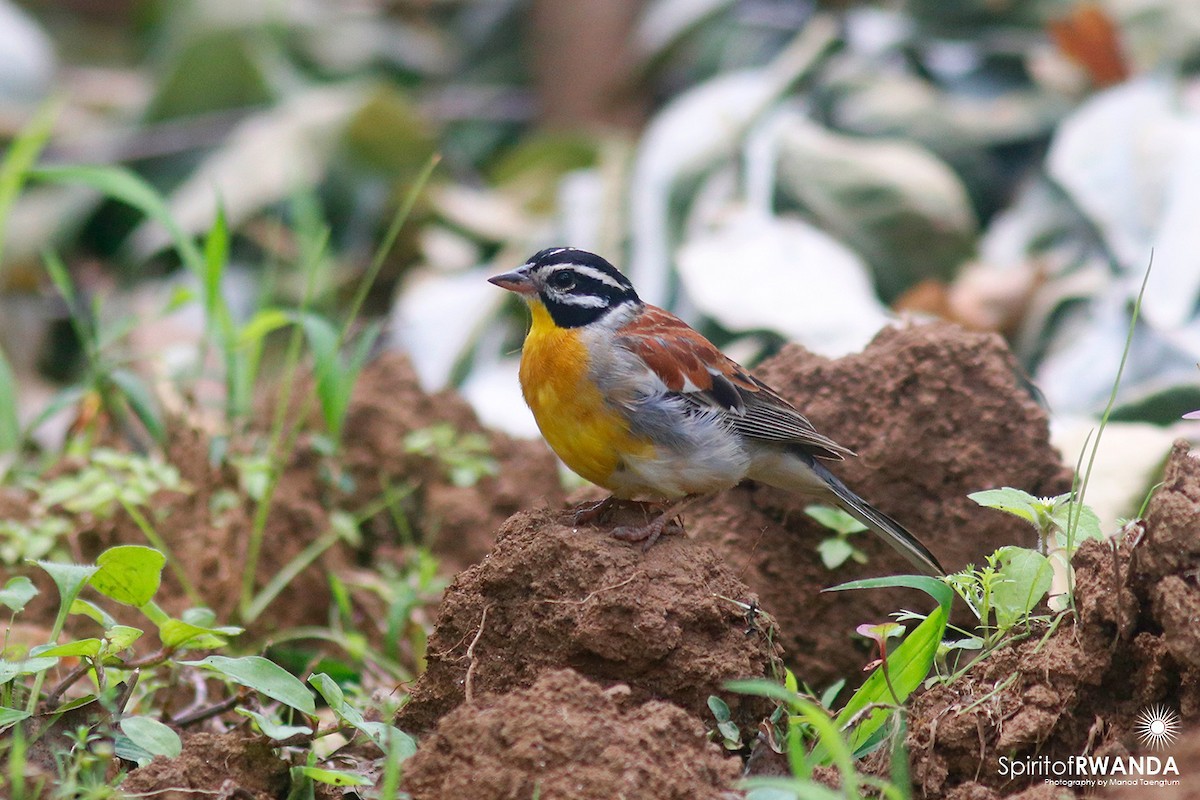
[891, 531]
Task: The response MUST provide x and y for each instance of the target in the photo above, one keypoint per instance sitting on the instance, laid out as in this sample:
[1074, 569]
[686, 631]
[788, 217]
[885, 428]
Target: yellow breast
[585, 432]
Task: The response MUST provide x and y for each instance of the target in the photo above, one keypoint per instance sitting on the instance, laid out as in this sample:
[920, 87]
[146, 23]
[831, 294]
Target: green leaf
[933, 587]
[323, 341]
[81, 647]
[1025, 577]
[129, 574]
[388, 737]
[28, 666]
[272, 728]
[152, 736]
[719, 708]
[261, 675]
[908, 663]
[124, 185]
[120, 637]
[761, 687]
[11, 716]
[834, 519]
[125, 749]
[70, 580]
[334, 777]
[830, 694]
[1087, 523]
[93, 612]
[261, 324]
[834, 551]
[10, 423]
[178, 634]
[17, 592]
[20, 157]
[1014, 501]
[763, 788]
[140, 401]
[216, 257]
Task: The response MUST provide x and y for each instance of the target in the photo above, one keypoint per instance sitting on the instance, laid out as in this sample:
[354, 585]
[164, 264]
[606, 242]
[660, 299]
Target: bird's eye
[563, 281]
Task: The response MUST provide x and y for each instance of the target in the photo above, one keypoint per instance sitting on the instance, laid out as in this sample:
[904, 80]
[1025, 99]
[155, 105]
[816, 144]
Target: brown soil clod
[214, 765]
[666, 622]
[567, 736]
[1079, 690]
[457, 522]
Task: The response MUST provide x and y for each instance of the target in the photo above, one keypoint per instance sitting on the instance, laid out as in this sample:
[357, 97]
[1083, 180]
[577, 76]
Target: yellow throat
[579, 425]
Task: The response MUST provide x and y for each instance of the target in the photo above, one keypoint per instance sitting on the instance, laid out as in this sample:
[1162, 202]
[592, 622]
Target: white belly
[699, 455]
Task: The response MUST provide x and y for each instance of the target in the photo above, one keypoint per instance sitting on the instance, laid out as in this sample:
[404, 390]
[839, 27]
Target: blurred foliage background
[771, 170]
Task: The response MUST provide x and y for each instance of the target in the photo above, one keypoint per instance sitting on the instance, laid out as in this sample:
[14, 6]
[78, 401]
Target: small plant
[873, 714]
[837, 549]
[727, 730]
[1003, 594]
[1062, 524]
[465, 457]
[880, 634]
[815, 737]
[121, 681]
[109, 481]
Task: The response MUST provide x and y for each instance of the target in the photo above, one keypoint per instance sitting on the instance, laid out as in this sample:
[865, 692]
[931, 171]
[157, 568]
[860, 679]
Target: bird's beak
[515, 281]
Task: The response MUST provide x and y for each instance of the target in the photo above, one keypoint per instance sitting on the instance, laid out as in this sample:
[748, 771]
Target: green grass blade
[908, 665]
[20, 158]
[129, 188]
[389, 238]
[141, 402]
[216, 257]
[933, 587]
[10, 425]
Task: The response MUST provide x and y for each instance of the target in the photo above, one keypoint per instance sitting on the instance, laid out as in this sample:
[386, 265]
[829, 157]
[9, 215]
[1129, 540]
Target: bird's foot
[598, 511]
[666, 522]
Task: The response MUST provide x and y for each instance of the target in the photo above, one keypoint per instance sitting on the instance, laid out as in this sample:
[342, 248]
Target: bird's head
[576, 287]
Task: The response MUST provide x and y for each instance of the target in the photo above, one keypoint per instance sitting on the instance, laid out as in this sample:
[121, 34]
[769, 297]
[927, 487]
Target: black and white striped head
[577, 287]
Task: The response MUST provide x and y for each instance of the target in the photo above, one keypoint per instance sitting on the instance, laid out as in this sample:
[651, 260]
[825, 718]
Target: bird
[634, 400]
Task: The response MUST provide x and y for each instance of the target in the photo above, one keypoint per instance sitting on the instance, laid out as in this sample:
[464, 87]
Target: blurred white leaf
[868, 101]
[447, 250]
[874, 32]
[1130, 159]
[266, 159]
[1080, 366]
[1127, 463]
[695, 130]
[665, 21]
[1156, 33]
[582, 209]
[27, 62]
[437, 315]
[780, 274]
[488, 214]
[494, 391]
[893, 201]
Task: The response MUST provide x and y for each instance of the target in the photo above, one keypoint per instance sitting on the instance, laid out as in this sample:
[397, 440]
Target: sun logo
[1158, 727]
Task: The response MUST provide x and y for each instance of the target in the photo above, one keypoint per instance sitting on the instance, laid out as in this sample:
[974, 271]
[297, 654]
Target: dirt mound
[665, 622]
[459, 522]
[208, 535]
[566, 736]
[218, 765]
[934, 412]
[1079, 690]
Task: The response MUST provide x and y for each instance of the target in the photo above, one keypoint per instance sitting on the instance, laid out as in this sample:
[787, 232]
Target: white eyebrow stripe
[584, 300]
[593, 273]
